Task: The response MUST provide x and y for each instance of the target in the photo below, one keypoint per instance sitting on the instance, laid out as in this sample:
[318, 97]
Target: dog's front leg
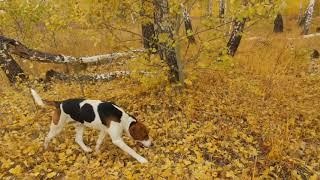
[101, 137]
[126, 148]
[115, 132]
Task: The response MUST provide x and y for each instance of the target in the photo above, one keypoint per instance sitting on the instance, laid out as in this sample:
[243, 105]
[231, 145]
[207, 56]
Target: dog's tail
[41, 102]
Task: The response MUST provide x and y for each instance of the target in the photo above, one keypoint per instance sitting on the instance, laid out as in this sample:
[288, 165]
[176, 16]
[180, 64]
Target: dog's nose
[151, 145]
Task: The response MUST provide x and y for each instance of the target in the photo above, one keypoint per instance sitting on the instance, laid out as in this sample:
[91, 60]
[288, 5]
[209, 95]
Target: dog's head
[140, 133]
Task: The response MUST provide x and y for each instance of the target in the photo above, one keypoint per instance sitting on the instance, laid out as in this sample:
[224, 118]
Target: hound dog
[107, 117]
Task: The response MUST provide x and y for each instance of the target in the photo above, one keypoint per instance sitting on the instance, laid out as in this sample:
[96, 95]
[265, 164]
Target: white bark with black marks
[54, 75]
[305, 21]
[235, 37]
[19, 49]
[188, 25]
[308, 16]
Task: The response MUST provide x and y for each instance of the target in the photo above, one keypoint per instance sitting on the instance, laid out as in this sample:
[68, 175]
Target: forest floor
[257, 115]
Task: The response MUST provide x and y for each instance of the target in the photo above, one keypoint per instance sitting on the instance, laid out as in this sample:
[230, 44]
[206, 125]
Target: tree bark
[188, 25]
[54, 75]
[210, 7]
[19, 49]
[278, 24]
[148, 33]
[308, 17]
[164, 33]
[221, 8]
[300, 12]
[235, 37]
[11, 68]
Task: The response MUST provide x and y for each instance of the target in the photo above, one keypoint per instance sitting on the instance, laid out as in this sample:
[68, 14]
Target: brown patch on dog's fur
[138, 131]
[56, 104]
[107, 121]
[56, 116]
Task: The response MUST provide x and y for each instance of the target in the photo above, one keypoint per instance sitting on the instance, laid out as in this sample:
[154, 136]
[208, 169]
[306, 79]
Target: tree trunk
[210, 7]
[278, 24]
[300, 12]
[308, 17]
[11, 68]
[188, 25]
[235, 37]
[164, 33]
[221, 8]
[148, 33]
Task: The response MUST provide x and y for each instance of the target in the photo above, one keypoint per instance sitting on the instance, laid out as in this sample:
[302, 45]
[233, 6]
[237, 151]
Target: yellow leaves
[186, 162]
[17, 170]
[51, 174]
[6, 163]
[230, 174]
[188, 82]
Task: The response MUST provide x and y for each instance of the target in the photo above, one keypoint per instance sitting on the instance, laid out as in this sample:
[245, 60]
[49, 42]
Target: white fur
[37, 98]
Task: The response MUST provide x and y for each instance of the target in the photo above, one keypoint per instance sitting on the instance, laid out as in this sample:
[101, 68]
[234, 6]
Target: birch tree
[210, 7]
[164, 33]
[148, 33]
[305, 20]
[221, 8]
[236, 36]
[188, 24]
[308, 17]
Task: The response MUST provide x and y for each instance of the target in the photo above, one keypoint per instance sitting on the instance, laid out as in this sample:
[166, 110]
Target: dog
[106, 117]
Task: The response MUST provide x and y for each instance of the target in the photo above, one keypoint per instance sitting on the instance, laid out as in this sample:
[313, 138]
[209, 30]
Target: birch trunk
[188, 25]
[11, 68]
[164, 33]
[148, 33]
[210, 7]
[221, 8]
[308, 17]
[235, 37]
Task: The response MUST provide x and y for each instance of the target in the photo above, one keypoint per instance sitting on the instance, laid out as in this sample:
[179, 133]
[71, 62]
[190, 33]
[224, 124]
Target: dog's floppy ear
[138, 131]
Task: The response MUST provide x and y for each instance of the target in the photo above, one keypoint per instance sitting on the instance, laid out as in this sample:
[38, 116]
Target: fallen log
[54, 75]
[17, 48]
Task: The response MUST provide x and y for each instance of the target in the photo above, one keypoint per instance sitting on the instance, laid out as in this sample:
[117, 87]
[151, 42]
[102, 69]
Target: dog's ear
[138, 131]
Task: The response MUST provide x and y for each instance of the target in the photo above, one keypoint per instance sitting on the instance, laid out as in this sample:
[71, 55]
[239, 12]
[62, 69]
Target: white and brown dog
[104, 116]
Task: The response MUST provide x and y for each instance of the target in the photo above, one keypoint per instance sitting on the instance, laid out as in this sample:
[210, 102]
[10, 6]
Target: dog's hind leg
[79, 137]
[58, 121]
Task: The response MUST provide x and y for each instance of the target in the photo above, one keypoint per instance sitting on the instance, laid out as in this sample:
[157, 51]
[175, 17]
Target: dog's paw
[87, 149]
[45, 145]
[143, 160]
[97, 149]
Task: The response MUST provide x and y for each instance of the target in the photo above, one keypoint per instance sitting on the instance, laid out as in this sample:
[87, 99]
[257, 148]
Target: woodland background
[252, 115]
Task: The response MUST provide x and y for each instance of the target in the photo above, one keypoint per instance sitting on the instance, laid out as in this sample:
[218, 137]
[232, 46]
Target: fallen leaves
[225, 132]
